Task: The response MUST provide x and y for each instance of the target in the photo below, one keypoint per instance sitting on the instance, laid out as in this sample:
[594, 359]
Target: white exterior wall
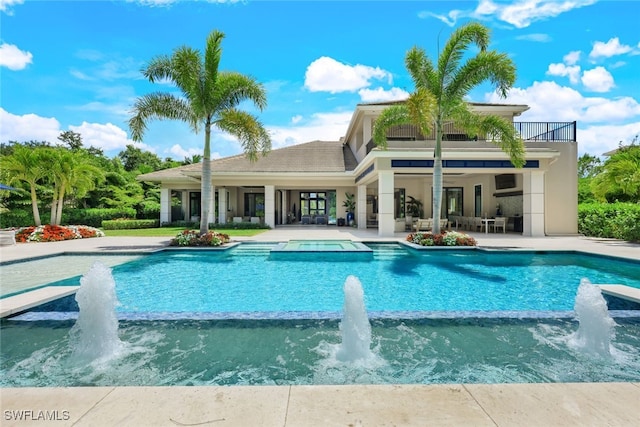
[386, 220]
[165, 205]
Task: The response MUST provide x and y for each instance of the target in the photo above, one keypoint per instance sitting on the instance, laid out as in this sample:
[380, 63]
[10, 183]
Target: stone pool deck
[564, 404]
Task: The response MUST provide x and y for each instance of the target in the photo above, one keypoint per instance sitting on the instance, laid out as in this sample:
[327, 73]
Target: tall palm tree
[209, 98]
[439, 95]
[25, 164]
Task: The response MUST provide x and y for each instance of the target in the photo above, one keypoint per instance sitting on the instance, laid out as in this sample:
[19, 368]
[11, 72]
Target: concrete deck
[21, 302]
[585, 404]
[622, 291]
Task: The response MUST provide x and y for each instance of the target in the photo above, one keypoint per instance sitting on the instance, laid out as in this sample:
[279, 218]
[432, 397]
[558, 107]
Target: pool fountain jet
[595, 325]
[95, 334]
[354, 327]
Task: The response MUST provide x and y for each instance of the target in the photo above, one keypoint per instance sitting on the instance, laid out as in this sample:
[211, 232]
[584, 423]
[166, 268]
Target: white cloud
[597, 79]
[572, 57]
[5, 5]
[573, 72]
[320, 126]
[14, 58]
[538, 37]
[105, 136]
[28, 127]
[296, 119]
[602, 122]
[609, 49]
[381, 95]
[520, 13]
[328, 75]
[180, 153]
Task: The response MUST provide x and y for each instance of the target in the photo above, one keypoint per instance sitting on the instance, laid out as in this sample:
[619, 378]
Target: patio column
[361, 206]
[222, 205]
[284, 208]
[386, 220]
[533, 203]
[184, 204]
[165, 205]
[270, 205]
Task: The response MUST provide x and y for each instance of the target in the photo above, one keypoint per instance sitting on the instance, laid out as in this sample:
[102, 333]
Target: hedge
[610, 220]
[128, 224]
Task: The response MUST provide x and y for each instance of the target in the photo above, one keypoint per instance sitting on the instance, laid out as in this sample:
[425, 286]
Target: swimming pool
[246, 282]
[192, 317]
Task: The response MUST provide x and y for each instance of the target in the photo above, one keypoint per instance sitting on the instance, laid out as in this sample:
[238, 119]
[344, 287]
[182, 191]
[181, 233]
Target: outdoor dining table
[486, 222]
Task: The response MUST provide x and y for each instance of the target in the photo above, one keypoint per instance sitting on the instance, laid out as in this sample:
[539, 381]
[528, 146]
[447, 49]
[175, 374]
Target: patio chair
[500, 222]
[306, 219]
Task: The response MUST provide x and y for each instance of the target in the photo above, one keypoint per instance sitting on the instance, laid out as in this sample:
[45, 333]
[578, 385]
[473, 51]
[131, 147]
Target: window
[452, 205]
[254, 204]
[313, 203]
[399, 199]
[477, 191]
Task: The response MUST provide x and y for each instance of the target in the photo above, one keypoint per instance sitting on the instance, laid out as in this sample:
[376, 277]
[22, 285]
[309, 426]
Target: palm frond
[159, 106]
[391, 116]
[212, 55]
[423, 109]
[253, 137]
[496, 67]
[421, 69]
[456, 46]
[158, 69]
[233, 88]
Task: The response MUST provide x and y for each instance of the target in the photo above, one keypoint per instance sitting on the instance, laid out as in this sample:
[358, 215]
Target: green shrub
[16, 218]
[128, 224]
[610, 220]
[94, 217]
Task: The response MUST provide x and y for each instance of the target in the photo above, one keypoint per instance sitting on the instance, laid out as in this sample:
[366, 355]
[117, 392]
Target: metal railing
[529, 131]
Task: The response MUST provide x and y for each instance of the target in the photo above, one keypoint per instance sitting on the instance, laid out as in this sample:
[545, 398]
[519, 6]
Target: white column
[285, 207]
[533, 204]
[165, 205]
[270, 205]
[361, 206]
[386, 214]
[222, 205]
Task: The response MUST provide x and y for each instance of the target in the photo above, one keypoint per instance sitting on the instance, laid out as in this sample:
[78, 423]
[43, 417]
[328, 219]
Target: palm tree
[209, 98]
[619, 178]
[439, 95]
[71, 173]
[25, 164]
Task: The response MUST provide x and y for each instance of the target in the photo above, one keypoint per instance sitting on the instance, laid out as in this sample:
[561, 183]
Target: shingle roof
[310, 157]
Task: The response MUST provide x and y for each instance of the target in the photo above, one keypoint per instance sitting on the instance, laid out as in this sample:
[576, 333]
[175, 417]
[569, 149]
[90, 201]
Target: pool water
[397, 282]
[239, 316]
[248, 352]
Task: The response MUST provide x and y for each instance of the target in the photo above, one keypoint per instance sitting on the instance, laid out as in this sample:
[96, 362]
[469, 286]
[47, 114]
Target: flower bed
[448, 238]
[56, 233]
[193, 238]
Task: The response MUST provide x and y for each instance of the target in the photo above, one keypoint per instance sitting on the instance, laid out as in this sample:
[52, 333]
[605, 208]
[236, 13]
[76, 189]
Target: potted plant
[350, 207]
[414, 207]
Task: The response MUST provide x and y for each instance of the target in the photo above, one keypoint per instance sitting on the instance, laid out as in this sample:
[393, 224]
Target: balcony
[529, 132]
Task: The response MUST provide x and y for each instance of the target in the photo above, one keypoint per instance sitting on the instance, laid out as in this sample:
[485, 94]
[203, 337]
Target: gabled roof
[310, 157]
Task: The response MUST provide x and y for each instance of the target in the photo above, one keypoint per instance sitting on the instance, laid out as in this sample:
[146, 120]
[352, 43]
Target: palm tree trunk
[205, 185]
[54, 207]
[437, 179]
[60, 205]
[34, 206]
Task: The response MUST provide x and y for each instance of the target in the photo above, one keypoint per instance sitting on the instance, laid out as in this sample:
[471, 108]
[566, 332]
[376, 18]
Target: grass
[173, 231]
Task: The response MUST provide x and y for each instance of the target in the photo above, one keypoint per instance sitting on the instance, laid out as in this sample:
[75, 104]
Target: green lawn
[173, 231]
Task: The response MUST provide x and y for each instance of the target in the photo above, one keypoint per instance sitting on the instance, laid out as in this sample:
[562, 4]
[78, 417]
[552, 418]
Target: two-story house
[308, 183]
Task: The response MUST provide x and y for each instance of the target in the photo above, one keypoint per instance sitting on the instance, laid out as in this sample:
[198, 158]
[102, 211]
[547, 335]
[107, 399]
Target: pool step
[21, 302]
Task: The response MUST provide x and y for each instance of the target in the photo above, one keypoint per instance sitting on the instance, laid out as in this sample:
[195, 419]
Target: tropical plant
[26, 164]
[210, 98]
[439, 95]
[71, 173]
[349, 203]
[619, 179]
[414, 207]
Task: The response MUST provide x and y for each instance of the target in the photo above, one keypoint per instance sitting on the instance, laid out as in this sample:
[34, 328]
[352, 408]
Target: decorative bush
[95, 216]
[613, 220]
[56, 233]
[128, 224]
[193, 238]
[448, 238]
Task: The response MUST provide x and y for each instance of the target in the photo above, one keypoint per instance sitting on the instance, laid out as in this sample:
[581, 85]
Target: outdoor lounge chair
[423, 224]
[499, 222]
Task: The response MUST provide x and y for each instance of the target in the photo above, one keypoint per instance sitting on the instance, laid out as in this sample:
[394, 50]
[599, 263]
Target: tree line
[67, 175]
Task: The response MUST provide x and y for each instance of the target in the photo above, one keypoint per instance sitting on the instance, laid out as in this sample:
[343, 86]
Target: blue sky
[75, 65]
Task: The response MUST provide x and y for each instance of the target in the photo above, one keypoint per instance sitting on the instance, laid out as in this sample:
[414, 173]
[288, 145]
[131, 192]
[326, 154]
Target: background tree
[619, 179]
[27, 165]
[588, 167]
[210, 98]
[439, 95]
